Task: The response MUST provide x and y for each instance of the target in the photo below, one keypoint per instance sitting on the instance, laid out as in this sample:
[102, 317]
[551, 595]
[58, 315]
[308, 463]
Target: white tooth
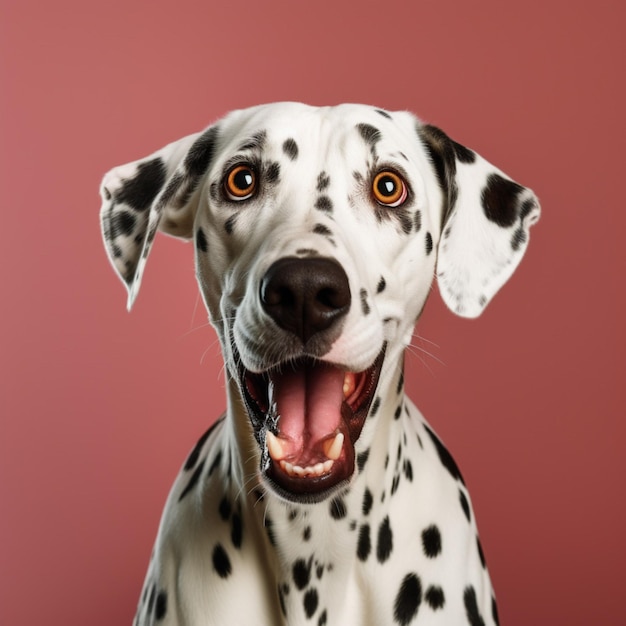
[298, 471]
[334, 449]
[318, 469]
[288, 467]
[327, 465]
[274, 446]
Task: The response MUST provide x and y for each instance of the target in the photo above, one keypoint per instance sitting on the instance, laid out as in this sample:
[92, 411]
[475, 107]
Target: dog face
[318, 232]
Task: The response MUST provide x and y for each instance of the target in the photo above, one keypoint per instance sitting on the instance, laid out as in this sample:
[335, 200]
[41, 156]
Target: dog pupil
[386, 186]
[243, 179]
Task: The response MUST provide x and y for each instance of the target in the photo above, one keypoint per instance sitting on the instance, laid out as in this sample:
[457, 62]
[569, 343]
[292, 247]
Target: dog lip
[358, 393]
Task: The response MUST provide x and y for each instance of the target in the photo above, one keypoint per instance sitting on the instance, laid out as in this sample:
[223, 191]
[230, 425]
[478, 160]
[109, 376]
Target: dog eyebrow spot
[257, 141]
[370, 134]
[290, 148]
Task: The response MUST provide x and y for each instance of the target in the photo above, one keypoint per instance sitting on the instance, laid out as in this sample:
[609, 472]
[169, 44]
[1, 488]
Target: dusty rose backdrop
[99, 408]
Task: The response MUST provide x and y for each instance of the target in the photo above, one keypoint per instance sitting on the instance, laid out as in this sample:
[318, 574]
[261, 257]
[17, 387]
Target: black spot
[518, 239]
[383, 113]
[320, 229]
[160, 608]
[500, 200]
[236, 533]
[322, 620]
[151, 599]
[273, 173]
[471, 607]
[306, 535]
[369, 133]
[290, 148]
[216, 461]
[375, 406]
[192, 481]
[201, 241]
[293, 513]
[269, 529]
[256, 141]
[429, 244]
[319, 571]
[408, 470]
[482, 300]
[398, 412]
[417, 221]
[361, 459]
[365, 307]
[221, 562]
[201, 153]
[229, 224]
[367, 502]
[395, 484]
[445, 457]
[224, 508]
[465, 505]
[431, 541]
[408, 599]
[401, 386]
[324, 203]
[385, 541]
[435, 598]
[463, 154]
[357, 176]
[139, 191]
[338, 508]
[494, 611]
[311, 601]
[122, 223]
[323, 181]
[382, 283]
[481, 554]
[301, 573]
[364, 545]
[192, 459]
[386, 461]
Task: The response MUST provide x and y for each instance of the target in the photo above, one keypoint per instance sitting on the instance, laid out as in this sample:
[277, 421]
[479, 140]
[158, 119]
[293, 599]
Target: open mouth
[307, 416]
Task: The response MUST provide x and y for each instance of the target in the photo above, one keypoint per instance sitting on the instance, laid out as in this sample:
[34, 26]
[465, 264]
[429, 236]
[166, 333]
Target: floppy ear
[486, 223]
[157, 192]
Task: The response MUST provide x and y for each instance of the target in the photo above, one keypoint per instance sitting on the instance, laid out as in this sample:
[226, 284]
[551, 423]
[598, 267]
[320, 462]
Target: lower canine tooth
[334, 450]
[274, 446]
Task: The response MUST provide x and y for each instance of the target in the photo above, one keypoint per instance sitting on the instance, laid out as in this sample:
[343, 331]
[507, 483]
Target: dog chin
[307, 415]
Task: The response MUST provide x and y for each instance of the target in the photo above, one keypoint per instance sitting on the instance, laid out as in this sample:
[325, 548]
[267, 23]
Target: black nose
[305, 296]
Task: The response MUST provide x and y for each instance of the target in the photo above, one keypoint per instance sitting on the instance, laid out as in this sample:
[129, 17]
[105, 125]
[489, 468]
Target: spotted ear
[158, 192]
[486, 223]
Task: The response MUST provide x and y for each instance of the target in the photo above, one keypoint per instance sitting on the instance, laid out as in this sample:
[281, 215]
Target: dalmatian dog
[321, 496]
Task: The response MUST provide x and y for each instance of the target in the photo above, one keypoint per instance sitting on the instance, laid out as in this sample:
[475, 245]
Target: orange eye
[389, 189]
[240, 182]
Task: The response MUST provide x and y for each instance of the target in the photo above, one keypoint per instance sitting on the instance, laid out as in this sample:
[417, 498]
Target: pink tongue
[309, 402]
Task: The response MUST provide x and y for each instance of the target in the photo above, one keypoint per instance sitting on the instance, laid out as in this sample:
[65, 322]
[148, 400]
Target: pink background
[99, 408]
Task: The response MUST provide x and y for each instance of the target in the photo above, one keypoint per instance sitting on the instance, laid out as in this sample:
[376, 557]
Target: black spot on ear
[381, 285]
[431, 541]
[290, 148]
[364, 544]
[385, 541]
[500, 200]
[160, 608]
[429, 244]
[463, 154]
[465, 505]
[201, 153]
[471, 607]
[408, 600]
[201, 241]
[324, 203]
[139, 191]
[192, 481]
[323, 181]
[445, 457]
[122, 223]
[434, 597]
[370, 134]
[221, 562]
[311, 601]
[338, 508]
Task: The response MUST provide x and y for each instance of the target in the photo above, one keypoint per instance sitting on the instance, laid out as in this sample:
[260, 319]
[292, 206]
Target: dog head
[317, 234]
